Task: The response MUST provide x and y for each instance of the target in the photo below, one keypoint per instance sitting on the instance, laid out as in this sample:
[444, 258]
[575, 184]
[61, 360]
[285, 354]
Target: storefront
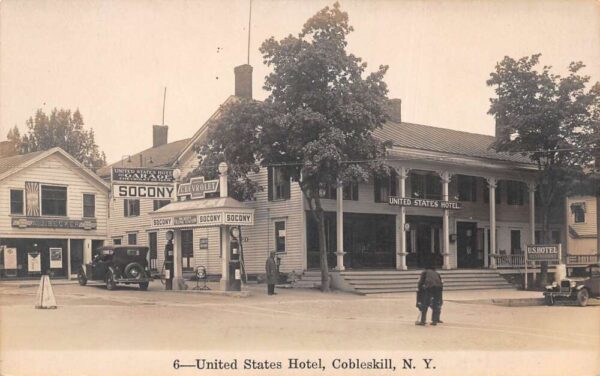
[56, 215]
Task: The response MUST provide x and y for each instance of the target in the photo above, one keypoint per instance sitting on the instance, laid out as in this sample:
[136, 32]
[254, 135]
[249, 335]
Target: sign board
[32, 198]
[203, 243]
[198, 187]
[56, 258]
[10, 258]
[34, 264]
[234, 217]
[36, 222]
[143, 191]
[147, 175]
[424, 203]
[543, 252]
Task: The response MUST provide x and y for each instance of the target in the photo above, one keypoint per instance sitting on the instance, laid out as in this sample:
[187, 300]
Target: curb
[233, 294]
[506, 302]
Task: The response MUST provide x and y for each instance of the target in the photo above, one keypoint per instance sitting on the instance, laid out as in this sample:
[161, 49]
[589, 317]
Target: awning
[203, 213]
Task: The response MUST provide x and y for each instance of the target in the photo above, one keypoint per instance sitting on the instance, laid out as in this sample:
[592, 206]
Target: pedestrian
[429, 294]
[272, 274]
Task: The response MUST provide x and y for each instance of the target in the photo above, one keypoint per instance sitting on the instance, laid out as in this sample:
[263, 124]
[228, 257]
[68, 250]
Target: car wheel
[549, 300]
[81, 278]
[134, 271]
[110, 281]
[582, 297]
[144, 286]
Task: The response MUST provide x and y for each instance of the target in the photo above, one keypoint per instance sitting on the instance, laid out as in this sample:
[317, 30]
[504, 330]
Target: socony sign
[143, 191]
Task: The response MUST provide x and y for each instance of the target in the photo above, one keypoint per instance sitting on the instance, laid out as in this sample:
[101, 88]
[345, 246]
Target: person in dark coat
[272, 273]
[429, 294]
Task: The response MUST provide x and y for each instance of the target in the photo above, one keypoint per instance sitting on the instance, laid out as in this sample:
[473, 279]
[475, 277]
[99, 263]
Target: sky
[113, 59]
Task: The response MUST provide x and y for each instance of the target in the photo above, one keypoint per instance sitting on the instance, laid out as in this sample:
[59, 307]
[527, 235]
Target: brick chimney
[394, 110]
[159, 135]
[501, 133]
[243, 81]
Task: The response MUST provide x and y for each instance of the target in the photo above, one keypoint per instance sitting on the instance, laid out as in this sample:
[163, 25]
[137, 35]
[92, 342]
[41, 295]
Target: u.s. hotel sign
[424, 203]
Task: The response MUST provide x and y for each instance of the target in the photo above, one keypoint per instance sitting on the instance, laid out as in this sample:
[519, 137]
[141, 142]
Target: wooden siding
[587, 230]
[56, 170]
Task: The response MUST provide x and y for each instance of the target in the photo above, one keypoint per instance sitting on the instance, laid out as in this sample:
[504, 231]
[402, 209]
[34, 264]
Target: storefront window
[89, 205]
[131, 207]
[16, 201]
[54, 200]
[132, 239]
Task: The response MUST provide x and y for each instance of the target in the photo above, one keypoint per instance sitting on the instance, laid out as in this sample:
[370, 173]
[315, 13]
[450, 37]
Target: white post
[446, 176]
[340, 226]
[68, 259]
[531, 187]
[224, 258]
[223, 179]
[401, 246]
[492, 183]
[87, 251]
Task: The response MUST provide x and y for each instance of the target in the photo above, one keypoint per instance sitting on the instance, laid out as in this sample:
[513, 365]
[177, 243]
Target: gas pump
[235, 272]
[169, 266]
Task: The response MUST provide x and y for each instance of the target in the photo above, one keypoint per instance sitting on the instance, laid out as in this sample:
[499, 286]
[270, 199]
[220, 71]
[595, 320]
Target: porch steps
[391, 281]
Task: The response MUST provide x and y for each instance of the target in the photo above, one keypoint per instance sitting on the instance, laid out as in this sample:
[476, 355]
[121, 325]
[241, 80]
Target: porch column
[340, 226]
[225, 258]
[492, 183]
[178, 282]
[446, 176]
[531, 187]
[401, 245]
[87, 250]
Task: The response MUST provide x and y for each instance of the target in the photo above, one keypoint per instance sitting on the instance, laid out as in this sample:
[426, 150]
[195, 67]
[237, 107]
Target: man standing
[429, 293]
[272, 273]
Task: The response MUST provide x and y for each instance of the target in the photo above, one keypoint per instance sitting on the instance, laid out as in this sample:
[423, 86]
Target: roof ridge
[446, 129]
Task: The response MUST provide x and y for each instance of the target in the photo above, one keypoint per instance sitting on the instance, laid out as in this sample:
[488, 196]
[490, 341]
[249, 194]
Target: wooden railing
[518, 261]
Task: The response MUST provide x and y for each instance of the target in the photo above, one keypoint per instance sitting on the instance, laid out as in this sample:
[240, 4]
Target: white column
[531, 187]
[223, 179]
[340, 226]
[492, 183]
[401, 221]
[178, 282]
[446, 176]
[87, 251]
[224, 258]
[68, 259]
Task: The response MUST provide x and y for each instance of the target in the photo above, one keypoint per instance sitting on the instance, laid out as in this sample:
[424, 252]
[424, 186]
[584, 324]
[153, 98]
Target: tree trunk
[322, 246]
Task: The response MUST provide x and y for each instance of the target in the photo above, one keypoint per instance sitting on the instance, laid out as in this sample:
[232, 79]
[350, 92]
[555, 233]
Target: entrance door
[467, 253]
[76, 255]
[424, 241]
[187, 249]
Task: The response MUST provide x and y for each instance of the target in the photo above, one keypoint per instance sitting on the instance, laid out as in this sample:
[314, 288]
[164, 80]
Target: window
[16, 201]
[515, 192]
[89, 205]
[426, 186]
[279, 184]
[351, 191]
[131, 207]
[467, 188]
[116, 241]
[280, 236]
[160, 203]
[132, 239]
[187, 249]
[486, 192]
[578, 210]
[54, 200]
[328, 192]
[515, 241]
[385, 186]
[555, 234]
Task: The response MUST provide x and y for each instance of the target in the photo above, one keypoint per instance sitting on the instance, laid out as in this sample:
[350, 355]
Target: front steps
[393, 281]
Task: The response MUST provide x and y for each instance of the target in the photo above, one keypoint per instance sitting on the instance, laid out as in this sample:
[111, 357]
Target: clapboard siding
[585, 241]
[56, 170]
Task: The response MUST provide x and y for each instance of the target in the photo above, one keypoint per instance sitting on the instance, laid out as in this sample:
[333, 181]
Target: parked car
[578, 287]
[126, 264]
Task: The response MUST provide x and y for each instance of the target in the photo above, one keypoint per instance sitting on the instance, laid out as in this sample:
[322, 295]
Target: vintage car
[124, 264]
[580, 286]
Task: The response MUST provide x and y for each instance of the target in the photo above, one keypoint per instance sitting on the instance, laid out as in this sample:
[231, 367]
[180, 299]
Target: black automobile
[126, 264]
[582, 285]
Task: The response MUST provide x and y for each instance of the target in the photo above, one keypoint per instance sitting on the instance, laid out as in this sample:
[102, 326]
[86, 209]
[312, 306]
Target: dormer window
[578, 210]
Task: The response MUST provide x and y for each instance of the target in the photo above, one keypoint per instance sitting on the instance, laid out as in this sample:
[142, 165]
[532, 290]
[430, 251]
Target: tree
[317, 122]
[63, 129]
[550, 119]
[14, 143]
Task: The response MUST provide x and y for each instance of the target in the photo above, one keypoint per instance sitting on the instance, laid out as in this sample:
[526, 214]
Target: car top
[110, 249]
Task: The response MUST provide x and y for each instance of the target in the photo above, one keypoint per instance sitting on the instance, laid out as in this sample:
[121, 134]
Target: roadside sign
[543, 252]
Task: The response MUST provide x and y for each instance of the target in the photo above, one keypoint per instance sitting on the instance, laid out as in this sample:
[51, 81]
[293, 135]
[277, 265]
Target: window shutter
[287, 186]
[377, 192]
[125, 212]
[270, 183]
[393, 183]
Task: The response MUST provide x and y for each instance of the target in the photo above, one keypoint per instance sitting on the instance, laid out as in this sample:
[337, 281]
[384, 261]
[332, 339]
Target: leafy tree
[63, 129]
[549, 118]
[14, 143]
[317, 122]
